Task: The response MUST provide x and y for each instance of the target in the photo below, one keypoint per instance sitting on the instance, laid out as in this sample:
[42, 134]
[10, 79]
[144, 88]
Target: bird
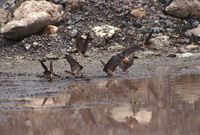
[127, 64]
[82, 44]
[113, 63]
[74, 65]
[48, 73]
[146, 42]
[129, 54]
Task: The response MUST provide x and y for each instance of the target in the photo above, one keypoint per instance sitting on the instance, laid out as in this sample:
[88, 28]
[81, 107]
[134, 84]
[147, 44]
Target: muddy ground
[158, 96]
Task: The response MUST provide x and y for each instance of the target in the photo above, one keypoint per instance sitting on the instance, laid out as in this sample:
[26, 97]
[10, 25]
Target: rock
[160, 41]
[101, 34]
[139, 12]
[51, 56]
[116, 48]
[4, 17]
[30, 18]
[105, 31]
[27, 46]
[51, 29]
[148, 53]
[194, 31]
[73, 33]
[185, 55]
[192, 47]
[184, 8]
[192, 23]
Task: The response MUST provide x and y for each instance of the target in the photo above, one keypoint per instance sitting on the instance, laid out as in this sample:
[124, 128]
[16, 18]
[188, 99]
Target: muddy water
[163, 105]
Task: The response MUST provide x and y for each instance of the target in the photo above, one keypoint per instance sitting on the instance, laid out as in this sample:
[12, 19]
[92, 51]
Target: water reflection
[164, 105]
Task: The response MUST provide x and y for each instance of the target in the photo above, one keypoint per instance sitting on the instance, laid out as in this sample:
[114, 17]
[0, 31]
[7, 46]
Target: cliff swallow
[82, 44]
[127, 64]
[45, 100]
[74, 65]
[146, 42]
[113, 63]
[129, 57]
[48, 73]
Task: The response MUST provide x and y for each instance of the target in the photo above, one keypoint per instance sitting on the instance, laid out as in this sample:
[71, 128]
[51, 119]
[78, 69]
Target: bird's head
[123, 58]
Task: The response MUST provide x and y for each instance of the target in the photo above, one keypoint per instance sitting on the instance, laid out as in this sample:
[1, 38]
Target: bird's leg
[44, 101]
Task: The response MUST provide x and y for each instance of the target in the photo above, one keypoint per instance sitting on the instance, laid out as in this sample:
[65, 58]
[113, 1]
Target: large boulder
[184, 8]
[31, 18]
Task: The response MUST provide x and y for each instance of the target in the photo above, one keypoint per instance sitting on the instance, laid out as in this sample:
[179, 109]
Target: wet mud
[162, 105]
[156, 97]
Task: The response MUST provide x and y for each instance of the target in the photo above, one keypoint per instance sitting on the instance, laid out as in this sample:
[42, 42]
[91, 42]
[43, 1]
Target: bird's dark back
[112, 63]
[73, 63]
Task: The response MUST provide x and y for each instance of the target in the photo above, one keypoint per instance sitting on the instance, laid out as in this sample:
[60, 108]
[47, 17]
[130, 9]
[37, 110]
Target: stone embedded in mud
[139, 12]
[185, 55]
[30, 18]
[115, 48]
[51, 29]
[27, 46]
[160, 41]
[194, 31]
[4, 16]
[105, 31]
[102, 33]
[184, 8]
[192, 47]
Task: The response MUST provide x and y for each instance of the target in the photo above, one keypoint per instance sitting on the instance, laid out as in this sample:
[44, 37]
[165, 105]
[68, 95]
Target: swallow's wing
[112, 63]
[72, 62]
[44, 66]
